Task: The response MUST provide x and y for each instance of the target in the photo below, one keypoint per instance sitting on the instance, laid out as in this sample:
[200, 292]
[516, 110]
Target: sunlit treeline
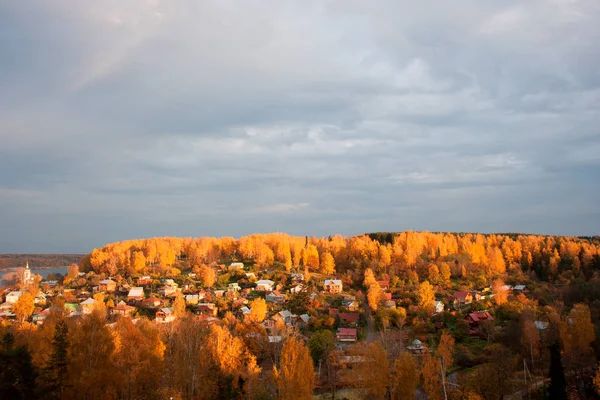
[548, 256]
[86, 358]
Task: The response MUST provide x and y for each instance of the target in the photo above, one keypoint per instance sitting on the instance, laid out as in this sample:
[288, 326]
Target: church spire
[27, 265]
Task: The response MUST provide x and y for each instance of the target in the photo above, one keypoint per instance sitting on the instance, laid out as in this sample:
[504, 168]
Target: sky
[143, 118]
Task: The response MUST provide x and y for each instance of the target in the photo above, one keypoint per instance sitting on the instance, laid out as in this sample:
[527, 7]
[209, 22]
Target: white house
[237, 265]
[438, 307]
[298, 288]
[136, 293]
[264, 285]
[12, 297]
[333, 286]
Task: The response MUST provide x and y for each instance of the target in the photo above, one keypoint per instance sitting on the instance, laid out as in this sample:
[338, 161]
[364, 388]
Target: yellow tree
[426, 297]
[179, 306]
[500, 292]
[369, 278]
[445, 273]
[434, 273]
[435, 367]
[577, 334]
[207, 276]
[258, 309]
[373, 374]
[385, 256]
[137, 357]
[228, 362]
[91, 365]
[24, 306]
[373, 296]
[405, 378]
[327, 263]
[295, 377]
[310, 257]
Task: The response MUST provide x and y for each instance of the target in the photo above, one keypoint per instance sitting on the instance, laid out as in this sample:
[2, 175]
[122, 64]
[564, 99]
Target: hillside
[477, 256]
[8, 261]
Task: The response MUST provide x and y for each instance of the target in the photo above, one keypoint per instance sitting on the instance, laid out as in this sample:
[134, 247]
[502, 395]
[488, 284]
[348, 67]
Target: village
[276, 300]
[365, 321]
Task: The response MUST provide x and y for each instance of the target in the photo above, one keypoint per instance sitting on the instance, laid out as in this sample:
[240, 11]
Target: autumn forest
[272, 316]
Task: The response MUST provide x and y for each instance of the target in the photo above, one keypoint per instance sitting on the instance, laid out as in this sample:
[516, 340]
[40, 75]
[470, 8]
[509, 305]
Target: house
[234, 287]
[219, 293]
[192, 299]
[297, 278]
[236, 265]
[541, 325]
[520, 288]
[246, 313]
[87, 306]
[144, 280]
[350, 303]
[349, 318]
[264, 285]
[462, 298]
[275, 297]
[135, 294]
[384, 285]
[250, 275]
[298, 288]
[165, 315]
[12, 297]
[40, 299]
[152, 302]
[107, 285]
[346, 335]
[417, 347]
[123, 309]
[39, 318]
[302, 320]
[207, 319]
[389, 304]
[438, 307]
[475, 318]
[169, 288]
[207, 309]
[333, 286]
[285, 316]
[476, 295]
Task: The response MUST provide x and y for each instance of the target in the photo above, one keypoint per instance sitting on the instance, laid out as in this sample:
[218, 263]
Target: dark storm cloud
[143, 118]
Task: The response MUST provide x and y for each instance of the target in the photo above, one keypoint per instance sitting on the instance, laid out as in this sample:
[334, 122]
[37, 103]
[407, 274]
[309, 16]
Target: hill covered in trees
[407, 255]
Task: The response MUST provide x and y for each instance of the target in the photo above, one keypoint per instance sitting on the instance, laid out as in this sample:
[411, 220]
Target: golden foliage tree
[179, 305]
[24, 306]
[374, 373]
[426, 297]
[435, 367]
[207, 276]
[405, 378]
[310, 257]
[258, 309]
[295, 377]
[500, 293]
[373, 296]
[577, 335]
[327, 263]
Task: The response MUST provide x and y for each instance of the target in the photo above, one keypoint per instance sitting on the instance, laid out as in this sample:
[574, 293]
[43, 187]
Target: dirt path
[371, 333]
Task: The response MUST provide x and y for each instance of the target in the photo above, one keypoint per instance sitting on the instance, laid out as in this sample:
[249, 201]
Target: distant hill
[8, 261]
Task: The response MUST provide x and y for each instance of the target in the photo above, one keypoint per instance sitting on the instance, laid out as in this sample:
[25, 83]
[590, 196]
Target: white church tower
[27, 278]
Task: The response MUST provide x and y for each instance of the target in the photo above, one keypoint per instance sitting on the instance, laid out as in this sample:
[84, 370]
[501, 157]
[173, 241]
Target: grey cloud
[133, 119]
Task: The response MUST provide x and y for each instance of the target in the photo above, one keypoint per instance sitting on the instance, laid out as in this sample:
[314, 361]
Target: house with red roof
[346, 335]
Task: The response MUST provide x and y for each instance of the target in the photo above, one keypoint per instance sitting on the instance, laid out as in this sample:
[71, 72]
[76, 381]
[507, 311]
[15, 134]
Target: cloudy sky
[141, 118]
